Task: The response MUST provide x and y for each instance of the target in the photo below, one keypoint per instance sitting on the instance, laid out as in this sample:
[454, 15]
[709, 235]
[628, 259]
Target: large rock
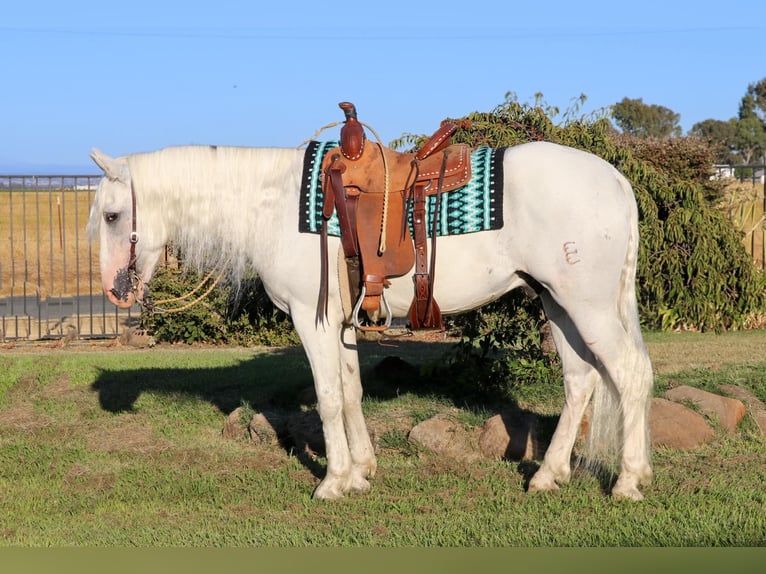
[511, 436]
[446, 437]
[676, 426]
[729, 412]
[754, 405]
[268, 427]
[235, 427]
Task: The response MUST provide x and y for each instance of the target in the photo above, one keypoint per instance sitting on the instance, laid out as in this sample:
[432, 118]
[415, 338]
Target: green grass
[124, 448]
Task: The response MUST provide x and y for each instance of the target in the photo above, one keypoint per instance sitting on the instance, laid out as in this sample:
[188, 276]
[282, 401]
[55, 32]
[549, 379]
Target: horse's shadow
[279, 383]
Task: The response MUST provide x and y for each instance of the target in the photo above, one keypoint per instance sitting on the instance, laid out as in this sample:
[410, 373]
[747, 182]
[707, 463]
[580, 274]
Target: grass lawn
[123, 447]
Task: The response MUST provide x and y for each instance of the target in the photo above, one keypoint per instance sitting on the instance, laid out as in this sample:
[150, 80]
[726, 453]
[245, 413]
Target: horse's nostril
[116, 293]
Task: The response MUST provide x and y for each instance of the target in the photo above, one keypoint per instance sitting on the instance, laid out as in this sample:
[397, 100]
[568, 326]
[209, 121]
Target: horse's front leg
[363, 462]
[323, 347]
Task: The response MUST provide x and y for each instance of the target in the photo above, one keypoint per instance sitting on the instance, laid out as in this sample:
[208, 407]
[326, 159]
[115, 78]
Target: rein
[135, 279]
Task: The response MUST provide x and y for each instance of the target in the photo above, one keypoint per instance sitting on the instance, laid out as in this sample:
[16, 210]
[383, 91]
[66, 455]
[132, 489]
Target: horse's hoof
[329, 489]
[623, 490]
[360, 484]
[542, 483]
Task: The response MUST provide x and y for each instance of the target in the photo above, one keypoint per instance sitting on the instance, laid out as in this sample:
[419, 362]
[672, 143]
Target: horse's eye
[111, 217]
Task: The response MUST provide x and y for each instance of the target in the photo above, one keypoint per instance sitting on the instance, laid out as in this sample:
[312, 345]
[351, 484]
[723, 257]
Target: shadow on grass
[280, 382]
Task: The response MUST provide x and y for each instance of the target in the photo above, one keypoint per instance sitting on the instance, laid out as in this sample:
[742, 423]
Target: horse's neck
[221, 203]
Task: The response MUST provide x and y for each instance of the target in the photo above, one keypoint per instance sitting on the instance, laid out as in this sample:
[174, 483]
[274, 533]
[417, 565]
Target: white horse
[570, 230]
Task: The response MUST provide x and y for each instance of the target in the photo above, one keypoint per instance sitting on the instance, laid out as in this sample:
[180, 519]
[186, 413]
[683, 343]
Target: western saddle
[372, 189]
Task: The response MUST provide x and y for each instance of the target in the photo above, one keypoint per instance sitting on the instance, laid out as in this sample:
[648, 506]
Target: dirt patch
[22, 417]
[125, 433]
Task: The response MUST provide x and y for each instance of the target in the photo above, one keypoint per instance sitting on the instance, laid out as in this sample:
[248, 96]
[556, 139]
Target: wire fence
[50, 285]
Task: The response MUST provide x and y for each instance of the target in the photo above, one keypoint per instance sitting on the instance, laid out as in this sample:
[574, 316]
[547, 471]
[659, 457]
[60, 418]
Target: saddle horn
[351, 134]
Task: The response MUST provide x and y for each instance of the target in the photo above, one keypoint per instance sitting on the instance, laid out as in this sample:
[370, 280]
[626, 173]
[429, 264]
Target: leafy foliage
[242, 315]
[741, 139]
[720, 136]
[693, 271]
[501, 348]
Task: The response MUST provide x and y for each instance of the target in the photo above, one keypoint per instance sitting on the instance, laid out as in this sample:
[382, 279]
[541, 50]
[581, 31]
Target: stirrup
[358, 307]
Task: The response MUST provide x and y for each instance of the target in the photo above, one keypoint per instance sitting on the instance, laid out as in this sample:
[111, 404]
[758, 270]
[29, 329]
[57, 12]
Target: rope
[152, 304]
[386, 186]
[316, 133]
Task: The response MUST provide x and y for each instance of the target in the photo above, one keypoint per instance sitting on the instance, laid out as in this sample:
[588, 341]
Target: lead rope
[152, 305]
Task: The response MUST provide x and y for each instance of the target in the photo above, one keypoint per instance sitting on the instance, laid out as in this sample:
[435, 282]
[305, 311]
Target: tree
[693, 269]
[636, 118]
[721, 136]
[750, 137]
[754, 101]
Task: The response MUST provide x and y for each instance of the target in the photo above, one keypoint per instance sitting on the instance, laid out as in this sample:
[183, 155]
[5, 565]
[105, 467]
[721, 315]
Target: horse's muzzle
[123, 290]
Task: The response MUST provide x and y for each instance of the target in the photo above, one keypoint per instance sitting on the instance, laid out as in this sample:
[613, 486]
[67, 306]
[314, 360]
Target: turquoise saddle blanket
[477, 206]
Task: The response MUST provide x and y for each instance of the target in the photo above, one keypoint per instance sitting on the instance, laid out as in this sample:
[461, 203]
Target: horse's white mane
[207, 198]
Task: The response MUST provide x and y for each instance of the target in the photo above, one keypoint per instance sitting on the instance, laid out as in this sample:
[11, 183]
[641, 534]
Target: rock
[444, 436]
[676, 426]
[234, 427]
[267, 428]
[728, 411]
[512, 436]
[754, 405]
[133, 337]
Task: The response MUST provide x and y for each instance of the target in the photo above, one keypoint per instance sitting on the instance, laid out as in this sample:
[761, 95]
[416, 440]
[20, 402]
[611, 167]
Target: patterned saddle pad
[477, 206]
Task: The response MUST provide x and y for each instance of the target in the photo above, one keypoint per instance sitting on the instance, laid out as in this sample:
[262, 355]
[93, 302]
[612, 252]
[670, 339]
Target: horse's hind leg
[625, 363]
[629, 368]
[580, 378]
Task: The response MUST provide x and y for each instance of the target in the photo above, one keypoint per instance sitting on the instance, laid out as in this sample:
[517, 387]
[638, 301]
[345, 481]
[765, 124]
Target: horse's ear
[114, 169]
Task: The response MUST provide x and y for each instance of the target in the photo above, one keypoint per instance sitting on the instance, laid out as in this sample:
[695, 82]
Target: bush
[693, 271]
[243, 316]
[501, 349]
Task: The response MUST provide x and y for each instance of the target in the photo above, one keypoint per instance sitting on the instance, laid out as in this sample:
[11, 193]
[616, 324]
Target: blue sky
[136, 76]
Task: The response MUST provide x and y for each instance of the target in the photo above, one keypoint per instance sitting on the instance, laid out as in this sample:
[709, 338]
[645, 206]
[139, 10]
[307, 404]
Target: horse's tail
[605, 438]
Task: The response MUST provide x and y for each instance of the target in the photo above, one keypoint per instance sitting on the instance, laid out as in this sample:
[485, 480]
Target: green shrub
[693, 271]
[229, 315]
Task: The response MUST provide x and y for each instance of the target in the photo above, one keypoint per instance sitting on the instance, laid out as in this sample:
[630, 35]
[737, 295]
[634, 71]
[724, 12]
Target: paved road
[32, 318]
[55, 307]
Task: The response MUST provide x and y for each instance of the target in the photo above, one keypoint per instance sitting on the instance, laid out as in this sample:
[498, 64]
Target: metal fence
[50, 285]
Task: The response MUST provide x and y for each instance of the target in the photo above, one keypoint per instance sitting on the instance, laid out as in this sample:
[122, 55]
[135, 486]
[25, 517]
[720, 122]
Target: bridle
[144, 299]
[135, 279]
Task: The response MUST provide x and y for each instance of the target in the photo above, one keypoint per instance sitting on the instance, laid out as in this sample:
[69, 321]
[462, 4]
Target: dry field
[44, 249]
